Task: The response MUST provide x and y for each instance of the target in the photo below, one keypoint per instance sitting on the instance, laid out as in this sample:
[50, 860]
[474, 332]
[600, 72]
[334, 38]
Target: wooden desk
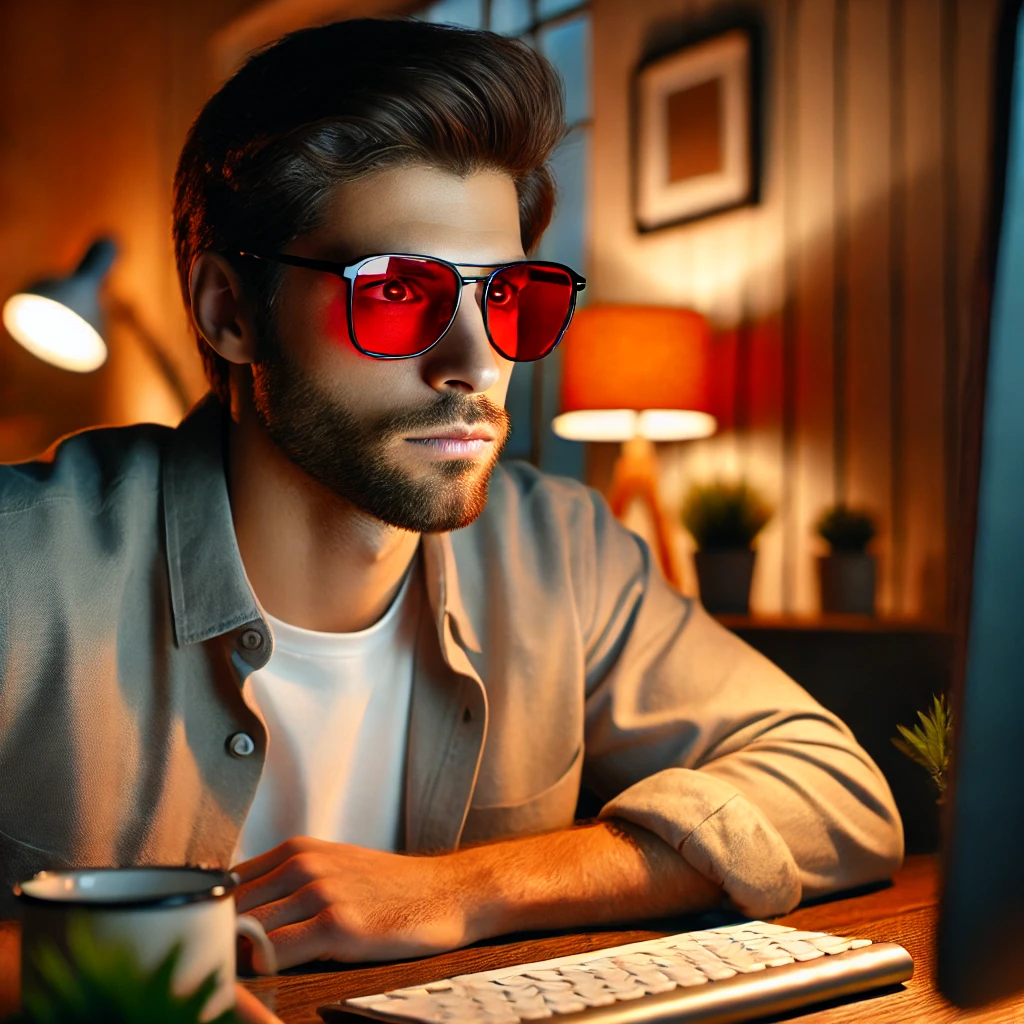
[906, 913]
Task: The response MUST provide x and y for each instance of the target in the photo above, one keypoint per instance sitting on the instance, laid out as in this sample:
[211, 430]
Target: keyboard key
[800, 950]
[686, 975]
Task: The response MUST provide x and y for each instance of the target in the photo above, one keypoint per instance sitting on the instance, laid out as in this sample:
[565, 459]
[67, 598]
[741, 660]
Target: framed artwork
[696, 131]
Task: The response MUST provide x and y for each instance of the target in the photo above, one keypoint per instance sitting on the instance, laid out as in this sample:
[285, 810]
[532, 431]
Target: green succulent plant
[847, 529]
[105, 983]
[928, 743]
[724, 516]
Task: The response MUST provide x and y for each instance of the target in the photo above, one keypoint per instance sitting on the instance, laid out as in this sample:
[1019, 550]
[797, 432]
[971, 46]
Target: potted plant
[89, 983]
[723, 520]
[847, 573]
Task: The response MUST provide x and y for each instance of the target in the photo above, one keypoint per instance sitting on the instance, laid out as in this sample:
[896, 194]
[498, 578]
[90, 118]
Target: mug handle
[253, 930]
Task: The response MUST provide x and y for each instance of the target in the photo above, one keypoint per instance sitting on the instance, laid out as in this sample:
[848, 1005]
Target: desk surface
[905, 912]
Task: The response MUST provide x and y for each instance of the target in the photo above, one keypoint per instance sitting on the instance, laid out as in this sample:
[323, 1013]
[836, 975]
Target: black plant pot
[847, 583]
[724, 577]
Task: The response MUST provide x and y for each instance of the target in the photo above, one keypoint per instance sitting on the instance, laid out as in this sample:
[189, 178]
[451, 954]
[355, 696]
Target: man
[318, 628]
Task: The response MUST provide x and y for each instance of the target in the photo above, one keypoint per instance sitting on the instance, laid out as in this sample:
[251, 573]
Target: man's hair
[327, 105]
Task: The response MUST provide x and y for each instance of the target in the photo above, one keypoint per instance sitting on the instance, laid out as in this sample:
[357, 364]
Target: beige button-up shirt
[552, 655]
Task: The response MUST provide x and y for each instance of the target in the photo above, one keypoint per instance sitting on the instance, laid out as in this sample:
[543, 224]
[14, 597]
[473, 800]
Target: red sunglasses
[401, 305]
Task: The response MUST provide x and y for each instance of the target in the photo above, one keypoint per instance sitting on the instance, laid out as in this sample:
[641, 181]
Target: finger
[306, 902]
[256, 866]
[250, 1010]
[280, 881]
[315, 938]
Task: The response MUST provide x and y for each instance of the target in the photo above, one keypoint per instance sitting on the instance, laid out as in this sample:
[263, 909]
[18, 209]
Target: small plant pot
[847, 583]
[724, 577]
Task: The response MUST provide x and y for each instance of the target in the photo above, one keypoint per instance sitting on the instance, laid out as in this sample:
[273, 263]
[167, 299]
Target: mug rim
[221, 885]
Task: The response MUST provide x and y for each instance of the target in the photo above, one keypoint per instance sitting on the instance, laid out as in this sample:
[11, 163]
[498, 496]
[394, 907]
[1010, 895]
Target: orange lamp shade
[630, 371]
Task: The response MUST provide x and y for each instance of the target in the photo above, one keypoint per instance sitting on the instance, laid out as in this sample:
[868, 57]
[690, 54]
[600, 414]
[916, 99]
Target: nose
[463, 359]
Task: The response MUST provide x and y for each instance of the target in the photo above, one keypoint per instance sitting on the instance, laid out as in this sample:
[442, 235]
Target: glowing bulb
[625, 424]
[54, 333]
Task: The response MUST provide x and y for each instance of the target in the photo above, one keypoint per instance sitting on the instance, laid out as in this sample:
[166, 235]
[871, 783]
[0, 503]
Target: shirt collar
[210, 593]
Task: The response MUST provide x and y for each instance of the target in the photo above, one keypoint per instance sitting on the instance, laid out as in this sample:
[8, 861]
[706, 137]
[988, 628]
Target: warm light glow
[625, 424]
[53, 333]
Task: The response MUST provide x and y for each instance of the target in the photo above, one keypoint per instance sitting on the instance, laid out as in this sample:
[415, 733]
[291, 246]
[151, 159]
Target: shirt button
[241, 744]
[252, 639]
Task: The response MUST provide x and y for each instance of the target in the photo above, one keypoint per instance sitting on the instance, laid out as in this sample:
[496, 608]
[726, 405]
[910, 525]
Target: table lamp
[61, 320]
[636, 374]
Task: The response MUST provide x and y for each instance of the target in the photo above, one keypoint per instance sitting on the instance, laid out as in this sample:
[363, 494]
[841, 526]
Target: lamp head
[635, 371]
[59, 320]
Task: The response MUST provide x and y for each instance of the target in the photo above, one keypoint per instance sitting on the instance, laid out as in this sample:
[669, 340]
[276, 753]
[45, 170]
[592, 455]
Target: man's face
[381, 433]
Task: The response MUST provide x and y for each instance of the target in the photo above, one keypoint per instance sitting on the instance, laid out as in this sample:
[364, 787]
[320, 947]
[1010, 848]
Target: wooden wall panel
[923, 478]
[761, 385]
[843, 298]
[814, 169]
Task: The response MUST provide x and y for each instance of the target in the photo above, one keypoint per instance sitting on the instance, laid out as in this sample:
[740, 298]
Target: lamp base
[635, 477]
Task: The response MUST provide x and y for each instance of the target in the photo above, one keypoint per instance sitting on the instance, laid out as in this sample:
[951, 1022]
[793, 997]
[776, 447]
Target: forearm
[594, 874]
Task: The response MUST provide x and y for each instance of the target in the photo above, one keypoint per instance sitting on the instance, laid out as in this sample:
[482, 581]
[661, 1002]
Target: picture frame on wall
[696, 131]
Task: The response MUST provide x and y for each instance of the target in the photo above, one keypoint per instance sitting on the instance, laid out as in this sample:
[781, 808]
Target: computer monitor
[981, 932]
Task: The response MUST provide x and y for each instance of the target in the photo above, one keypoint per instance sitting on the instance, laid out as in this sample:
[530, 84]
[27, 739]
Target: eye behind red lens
[401, 305]
[529, 326]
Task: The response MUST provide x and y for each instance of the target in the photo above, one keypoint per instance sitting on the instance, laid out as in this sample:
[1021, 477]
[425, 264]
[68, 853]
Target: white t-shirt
[337, 712]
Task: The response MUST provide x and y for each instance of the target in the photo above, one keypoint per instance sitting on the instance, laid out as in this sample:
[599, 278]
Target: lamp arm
[123, 312]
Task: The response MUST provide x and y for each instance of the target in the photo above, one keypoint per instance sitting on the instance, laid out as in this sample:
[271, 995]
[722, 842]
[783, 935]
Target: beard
[350, 457]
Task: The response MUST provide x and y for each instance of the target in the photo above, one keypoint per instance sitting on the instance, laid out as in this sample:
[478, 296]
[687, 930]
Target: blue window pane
[518, 403]
[510, 17]
[549, 8]
[468, 13]
[563, 242]
[567, 46]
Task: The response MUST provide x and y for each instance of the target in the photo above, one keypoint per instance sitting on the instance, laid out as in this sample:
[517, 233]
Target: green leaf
[928, 743]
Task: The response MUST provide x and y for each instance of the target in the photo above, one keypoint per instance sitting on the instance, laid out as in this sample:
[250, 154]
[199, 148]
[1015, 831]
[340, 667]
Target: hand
[250, 1010]
[330, 901]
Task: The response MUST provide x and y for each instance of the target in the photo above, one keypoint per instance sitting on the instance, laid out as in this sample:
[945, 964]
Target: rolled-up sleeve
[695, 736]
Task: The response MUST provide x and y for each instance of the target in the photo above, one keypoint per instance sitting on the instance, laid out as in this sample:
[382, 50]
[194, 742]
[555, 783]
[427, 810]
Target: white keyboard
[718, 975]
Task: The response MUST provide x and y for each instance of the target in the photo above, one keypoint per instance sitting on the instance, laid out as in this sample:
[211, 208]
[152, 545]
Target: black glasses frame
[349, 271]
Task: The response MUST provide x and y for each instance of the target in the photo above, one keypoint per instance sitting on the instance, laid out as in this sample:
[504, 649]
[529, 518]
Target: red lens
[401, 305]
[527, 308]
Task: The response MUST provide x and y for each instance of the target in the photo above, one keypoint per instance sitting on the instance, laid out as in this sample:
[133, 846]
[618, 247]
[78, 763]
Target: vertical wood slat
[790, 310]
[813, 450]
[864, 434]
[840, 243]
[948, 71]
[762, 457]
[923, 480]
[897, 306]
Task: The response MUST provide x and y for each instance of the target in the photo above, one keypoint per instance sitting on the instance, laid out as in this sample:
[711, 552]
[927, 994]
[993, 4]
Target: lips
[456, 434]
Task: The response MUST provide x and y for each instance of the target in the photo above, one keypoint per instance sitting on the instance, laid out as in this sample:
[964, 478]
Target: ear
[220, 309]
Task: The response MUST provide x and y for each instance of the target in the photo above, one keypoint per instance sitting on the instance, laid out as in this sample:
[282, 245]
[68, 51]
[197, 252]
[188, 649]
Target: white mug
[148, 909]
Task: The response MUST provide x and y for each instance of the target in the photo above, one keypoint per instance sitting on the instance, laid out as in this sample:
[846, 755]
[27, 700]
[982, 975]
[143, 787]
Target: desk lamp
[636, 374]
[61, 320]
